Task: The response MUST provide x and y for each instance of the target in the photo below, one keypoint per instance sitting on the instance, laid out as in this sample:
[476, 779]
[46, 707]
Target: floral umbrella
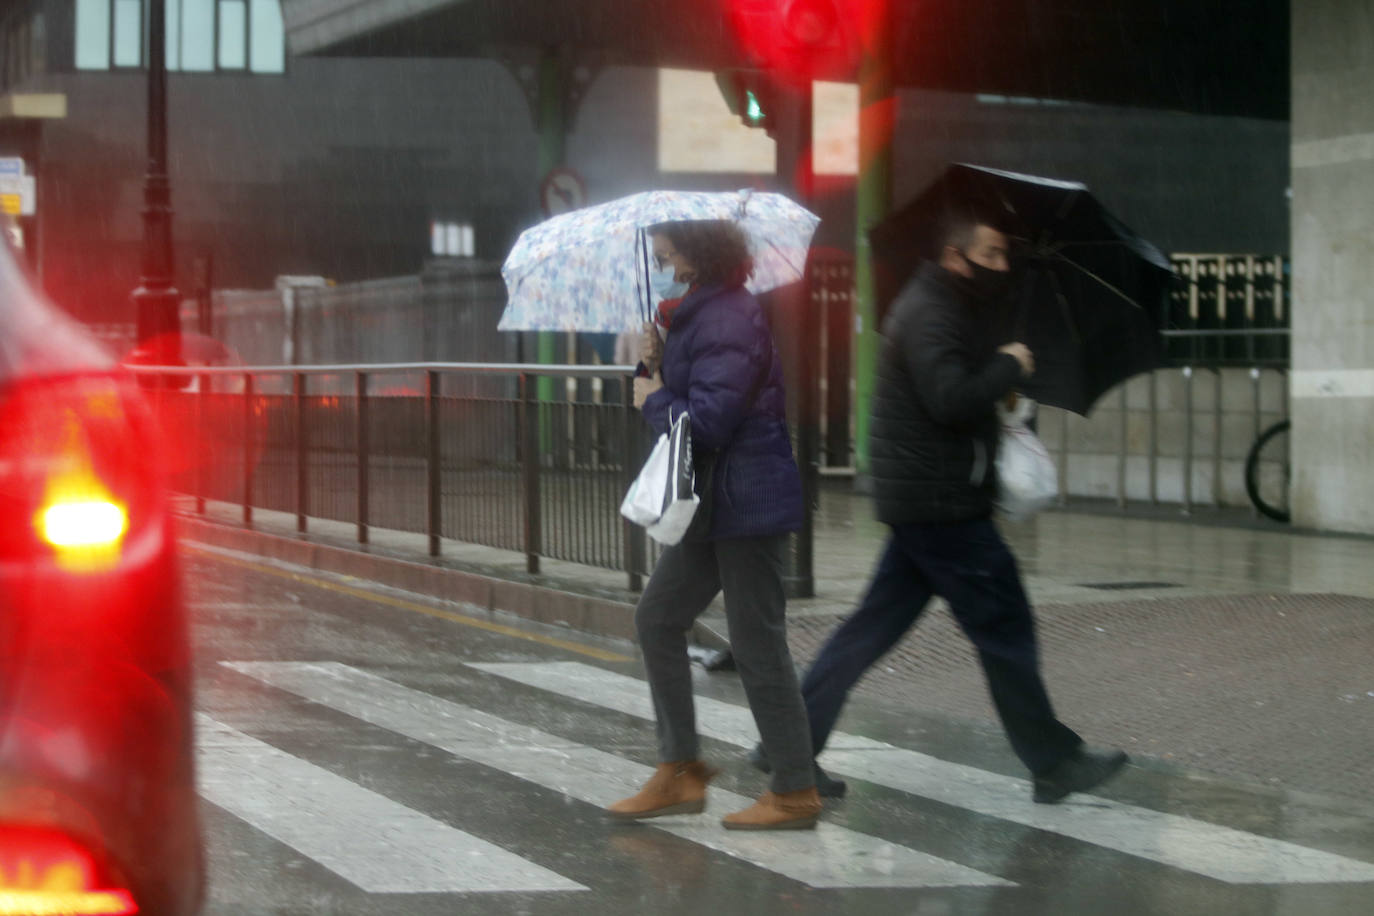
[588, 270]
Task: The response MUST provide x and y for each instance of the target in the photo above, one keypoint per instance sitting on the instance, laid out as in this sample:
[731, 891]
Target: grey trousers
[684, 583]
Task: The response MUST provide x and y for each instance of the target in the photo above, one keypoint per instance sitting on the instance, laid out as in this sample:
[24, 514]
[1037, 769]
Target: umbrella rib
[782, 254]
[1079, 267]
[1094, 243]
[648, 313]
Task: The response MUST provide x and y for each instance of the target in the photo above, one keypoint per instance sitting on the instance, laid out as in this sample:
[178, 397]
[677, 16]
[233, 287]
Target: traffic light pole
[796, 170]
[877, 116]
[553, 137]
[156, 299]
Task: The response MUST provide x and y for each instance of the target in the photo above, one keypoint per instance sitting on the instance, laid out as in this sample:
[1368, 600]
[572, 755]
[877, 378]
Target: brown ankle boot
[778, 811]
[675, 788]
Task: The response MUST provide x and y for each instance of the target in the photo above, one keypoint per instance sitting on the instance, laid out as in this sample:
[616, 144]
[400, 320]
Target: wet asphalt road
[367, 751]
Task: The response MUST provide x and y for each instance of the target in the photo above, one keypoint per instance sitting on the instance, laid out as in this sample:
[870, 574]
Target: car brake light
[45, 872]
[84, 523]
[74, 462]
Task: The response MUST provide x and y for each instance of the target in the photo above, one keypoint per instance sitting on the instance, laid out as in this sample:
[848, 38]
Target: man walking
[934, 437]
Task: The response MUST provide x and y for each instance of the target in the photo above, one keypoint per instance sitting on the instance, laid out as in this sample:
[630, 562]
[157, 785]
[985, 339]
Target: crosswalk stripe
[1223, 853]
[829, 857]
[367, 839]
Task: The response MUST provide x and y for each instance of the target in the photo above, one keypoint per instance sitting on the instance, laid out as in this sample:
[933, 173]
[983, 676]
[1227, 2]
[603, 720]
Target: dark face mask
[987, 284]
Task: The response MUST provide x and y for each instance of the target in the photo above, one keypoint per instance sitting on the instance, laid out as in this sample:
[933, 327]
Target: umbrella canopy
[1089, 290]
[588, 270]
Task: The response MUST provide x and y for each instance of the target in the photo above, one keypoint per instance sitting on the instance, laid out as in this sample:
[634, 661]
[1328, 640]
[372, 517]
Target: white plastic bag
[661, 498]
[1026, 477]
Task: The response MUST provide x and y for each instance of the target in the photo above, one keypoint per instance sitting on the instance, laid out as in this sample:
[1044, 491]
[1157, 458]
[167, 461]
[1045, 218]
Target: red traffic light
[798, 40]
[810, 23]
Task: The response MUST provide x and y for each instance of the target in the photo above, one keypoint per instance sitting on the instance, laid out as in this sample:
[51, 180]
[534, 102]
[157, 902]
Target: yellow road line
[405, 605]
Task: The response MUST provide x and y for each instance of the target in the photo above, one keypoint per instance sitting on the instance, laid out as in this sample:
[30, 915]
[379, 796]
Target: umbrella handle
[1023, 313]
[1064, 306]
[1023, 316]
[648, 312]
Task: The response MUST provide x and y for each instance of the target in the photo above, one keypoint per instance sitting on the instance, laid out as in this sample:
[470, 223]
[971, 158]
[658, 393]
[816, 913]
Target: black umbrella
[1088, 292]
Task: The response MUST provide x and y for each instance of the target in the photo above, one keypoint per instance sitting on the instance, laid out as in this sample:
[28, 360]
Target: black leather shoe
[1080, 771]
[826, 785]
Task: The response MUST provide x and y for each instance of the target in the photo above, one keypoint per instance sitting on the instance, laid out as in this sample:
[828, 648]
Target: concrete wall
[1333, 264]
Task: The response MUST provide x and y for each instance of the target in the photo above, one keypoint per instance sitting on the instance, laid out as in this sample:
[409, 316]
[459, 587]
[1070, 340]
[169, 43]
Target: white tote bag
[661, 498]
[1026, 477]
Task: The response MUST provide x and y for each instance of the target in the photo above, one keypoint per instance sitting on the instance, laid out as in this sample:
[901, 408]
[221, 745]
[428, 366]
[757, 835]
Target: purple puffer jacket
[718, 350]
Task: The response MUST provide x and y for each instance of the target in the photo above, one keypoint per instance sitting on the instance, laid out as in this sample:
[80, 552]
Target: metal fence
[468, 451]
[1179, 434]
[447, 313]
[499, 468]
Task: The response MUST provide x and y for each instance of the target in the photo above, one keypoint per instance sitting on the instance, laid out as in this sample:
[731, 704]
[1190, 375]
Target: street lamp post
[156, 298]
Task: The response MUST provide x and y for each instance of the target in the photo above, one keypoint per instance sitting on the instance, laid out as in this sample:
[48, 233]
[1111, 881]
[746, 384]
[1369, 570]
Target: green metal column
[877, 114]
[553, 135]
[796, 162]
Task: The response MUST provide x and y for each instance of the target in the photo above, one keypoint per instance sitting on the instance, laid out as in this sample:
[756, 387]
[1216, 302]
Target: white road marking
[831, 856]
[1223, 853]
[367, 839]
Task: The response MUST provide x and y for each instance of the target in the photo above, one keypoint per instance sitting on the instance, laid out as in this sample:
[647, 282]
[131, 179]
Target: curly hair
[718, 249]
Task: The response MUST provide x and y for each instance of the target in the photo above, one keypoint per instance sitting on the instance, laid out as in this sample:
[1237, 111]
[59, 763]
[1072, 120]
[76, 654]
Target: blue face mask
[662, 281]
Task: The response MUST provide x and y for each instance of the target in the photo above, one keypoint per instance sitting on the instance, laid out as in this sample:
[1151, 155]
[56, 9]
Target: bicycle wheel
[1267, 472]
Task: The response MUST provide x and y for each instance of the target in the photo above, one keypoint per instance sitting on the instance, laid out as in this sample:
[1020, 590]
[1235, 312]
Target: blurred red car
[98, 810]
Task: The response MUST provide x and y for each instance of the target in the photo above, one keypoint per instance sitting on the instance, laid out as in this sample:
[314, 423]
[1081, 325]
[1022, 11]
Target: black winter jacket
[934, 429]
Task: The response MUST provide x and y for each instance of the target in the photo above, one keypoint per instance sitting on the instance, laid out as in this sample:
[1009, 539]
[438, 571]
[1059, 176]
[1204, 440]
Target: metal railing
[490, 466]
[463, 451]
[1230, 427]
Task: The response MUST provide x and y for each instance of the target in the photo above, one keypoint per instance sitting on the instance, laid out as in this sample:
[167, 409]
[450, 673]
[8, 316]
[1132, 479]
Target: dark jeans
[688, 576]
[969, 565]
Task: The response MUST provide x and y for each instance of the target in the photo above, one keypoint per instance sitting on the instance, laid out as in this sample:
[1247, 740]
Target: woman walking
[719, 365]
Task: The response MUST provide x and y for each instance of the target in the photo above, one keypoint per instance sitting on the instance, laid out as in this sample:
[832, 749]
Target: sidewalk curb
[585, 613]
